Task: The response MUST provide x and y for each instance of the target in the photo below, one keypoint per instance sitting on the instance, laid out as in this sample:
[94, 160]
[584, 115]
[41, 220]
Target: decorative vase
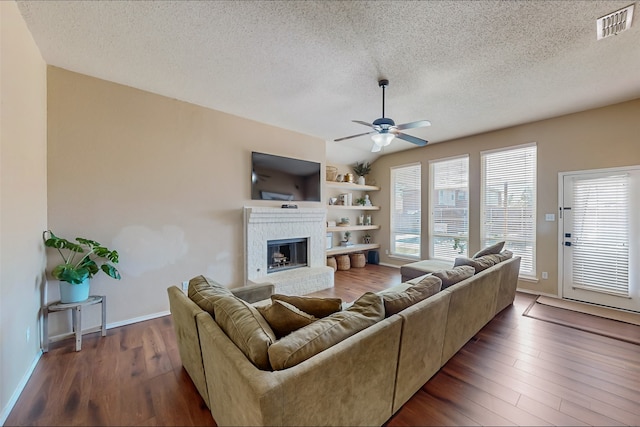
[361, 180]
[74, 293]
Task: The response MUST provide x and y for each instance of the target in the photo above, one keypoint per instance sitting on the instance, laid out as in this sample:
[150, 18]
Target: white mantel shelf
[267, 215]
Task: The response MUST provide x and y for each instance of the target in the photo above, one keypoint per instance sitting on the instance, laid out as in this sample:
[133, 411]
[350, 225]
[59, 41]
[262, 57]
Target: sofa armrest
[254, 293]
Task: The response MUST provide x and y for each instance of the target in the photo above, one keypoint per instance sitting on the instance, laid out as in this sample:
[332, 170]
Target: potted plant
[79, 264]
[361, 170]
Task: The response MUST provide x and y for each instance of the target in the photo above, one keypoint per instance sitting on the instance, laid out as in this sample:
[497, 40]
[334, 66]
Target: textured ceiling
[313, 66]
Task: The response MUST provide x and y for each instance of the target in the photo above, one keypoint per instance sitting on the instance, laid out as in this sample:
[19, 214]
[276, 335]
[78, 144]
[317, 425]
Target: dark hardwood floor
[516, 371]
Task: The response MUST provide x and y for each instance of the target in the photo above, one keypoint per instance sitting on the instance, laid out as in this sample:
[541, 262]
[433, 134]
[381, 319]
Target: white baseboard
[389, 265]
[532, 292]
[117, 324]
[138, 319]
[21, 385]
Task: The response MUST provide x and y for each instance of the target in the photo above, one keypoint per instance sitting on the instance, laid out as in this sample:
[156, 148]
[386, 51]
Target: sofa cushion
[246, 327]
[497, 258]
[395, 302]
[420, 268]
[479, 264]
[454, 275]
[318, 307]
[205, 292]
[306, 342]
[493, 249]
[285, 318]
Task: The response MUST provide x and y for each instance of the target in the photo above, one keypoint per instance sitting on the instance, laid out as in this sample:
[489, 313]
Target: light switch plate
[549, 217]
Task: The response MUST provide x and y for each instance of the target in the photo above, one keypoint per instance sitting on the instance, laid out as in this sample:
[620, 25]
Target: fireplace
[286, 254]
[275, 252]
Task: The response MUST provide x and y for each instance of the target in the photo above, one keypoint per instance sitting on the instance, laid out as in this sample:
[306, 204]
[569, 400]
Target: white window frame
[484, 239]
[393, 228]
[432, 208]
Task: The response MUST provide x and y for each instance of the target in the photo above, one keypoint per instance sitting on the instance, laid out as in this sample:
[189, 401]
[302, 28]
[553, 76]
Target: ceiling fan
[385, 129]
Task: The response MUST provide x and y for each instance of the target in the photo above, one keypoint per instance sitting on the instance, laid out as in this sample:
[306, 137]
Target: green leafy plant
[459, 244]
[361, 201]
[361, 169]
[80, 260]
[347, 236]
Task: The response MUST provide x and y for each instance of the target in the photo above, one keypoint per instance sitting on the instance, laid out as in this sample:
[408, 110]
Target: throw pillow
[205, 292]
[493, 249]
[306, 342]
[497, 258]
[455, 275]
[318, 307]
[395, 302]
[479, 264]
[246, 327]
[285, 318]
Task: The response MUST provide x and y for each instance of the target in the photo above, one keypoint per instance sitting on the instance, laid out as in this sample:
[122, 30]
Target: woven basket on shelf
[357, 260]
[332, 173]
[343, 262]
[331, 262]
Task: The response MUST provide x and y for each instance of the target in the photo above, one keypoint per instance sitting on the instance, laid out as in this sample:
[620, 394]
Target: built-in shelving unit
[339, 250]
[355, 207]
[352, 186]
[358, 247]
[353, 228]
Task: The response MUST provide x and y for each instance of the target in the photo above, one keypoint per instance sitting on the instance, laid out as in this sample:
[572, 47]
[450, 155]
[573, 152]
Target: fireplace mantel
[263, 224]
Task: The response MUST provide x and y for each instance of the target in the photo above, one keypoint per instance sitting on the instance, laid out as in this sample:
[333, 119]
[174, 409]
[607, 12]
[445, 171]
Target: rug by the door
[585, 322]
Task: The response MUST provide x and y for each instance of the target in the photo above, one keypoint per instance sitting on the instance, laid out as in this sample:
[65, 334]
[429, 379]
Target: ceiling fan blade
[413, 125]
[376, 148]
[354, 136]
[412, 139]
[363, 123]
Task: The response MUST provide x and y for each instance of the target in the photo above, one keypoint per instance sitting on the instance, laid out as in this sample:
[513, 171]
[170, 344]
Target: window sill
[530, 279]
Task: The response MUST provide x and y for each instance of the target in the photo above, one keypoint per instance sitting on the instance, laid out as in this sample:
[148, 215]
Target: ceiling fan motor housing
[384, 123]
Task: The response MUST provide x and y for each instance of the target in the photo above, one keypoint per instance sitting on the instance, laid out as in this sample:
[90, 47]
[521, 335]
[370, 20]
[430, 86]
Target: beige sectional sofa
[362, 380]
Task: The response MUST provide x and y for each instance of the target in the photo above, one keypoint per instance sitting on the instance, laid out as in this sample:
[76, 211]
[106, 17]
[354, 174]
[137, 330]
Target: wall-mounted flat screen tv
[284, 178]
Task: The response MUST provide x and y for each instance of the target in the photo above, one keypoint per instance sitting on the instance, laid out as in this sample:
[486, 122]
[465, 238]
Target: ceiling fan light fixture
[382, 139]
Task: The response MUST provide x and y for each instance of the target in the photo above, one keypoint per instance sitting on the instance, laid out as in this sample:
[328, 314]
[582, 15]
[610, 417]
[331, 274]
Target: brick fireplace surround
[263, 224]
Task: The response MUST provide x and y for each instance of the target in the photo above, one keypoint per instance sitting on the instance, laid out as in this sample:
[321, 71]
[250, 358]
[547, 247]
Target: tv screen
[284, 178]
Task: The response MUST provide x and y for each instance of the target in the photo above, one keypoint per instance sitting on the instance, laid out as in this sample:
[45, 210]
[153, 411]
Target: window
[449, 220]
[405, 211]
[508, 207]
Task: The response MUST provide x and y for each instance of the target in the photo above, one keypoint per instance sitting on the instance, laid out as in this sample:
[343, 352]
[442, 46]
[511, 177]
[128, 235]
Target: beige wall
[600, 138]
[159, 180]
[23, 201]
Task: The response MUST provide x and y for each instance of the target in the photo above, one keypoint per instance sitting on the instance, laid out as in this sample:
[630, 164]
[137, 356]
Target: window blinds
[449, 193]
[509, 202]
[601, 234]
[405, 211]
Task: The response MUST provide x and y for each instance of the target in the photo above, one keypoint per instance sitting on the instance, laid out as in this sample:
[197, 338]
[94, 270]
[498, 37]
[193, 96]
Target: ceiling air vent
[614, 23]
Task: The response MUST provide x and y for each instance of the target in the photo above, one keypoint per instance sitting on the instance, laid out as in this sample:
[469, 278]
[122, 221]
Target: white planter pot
[361, 180]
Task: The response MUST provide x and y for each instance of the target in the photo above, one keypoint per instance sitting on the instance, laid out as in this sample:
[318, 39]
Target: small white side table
[76, 315]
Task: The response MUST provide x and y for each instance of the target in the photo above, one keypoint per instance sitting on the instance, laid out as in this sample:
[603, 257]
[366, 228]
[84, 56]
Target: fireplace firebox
[286, 254]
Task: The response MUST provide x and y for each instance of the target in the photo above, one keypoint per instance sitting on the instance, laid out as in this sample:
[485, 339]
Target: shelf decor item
[357, 260]
[332, 173]
[343, 261]
[361, 170]
[79, 265]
